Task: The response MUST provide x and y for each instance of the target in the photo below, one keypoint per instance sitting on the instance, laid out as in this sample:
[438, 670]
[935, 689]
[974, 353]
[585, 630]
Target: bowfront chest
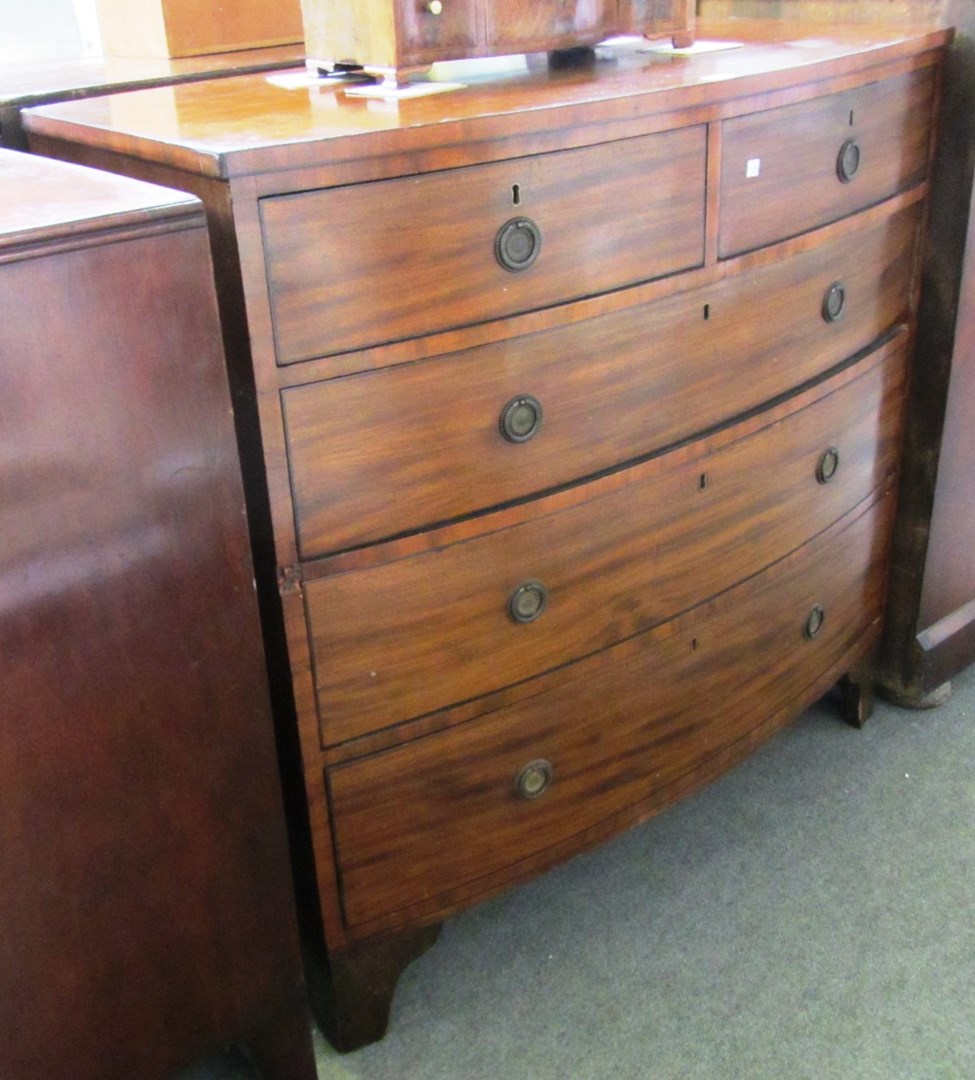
[571, 404]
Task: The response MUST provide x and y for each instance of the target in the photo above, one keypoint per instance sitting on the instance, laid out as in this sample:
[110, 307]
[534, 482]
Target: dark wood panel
[421, 250]
[417, 821]
[949, 573]
[383, 453]
[686, 527]
[779, 168]
[147, 909]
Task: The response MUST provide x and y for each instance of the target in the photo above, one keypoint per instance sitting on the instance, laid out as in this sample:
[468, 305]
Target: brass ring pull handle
[521, 418]
[814, 621]
[834, 301]
[848, 160]
[828, 464]
[517, 244]
[528, 601]
[534, 779]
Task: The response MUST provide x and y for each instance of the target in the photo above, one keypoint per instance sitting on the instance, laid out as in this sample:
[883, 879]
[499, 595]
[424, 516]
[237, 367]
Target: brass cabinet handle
[814, 621]
[834, 300]
[534, 779]
[528, 601]
[828, 464]
[517, 244]
[434, 7]
[848, 160]
[521, 418]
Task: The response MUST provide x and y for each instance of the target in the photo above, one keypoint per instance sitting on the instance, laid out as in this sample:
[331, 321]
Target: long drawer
[790, 169]
[355, 266]
[414, 822]
[413, 635]
[387, 452]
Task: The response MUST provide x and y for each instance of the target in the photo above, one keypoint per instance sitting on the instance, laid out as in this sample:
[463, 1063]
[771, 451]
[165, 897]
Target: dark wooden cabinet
[146, 906]
[930, 633]
[579, 398]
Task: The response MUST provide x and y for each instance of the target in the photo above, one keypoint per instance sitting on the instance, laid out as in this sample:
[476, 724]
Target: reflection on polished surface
[216, 122]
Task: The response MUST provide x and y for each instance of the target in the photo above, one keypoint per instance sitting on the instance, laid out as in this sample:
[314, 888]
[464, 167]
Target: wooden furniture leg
[858, 694]
[353, 998]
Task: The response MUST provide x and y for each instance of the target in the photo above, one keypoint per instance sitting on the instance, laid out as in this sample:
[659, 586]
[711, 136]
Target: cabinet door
[550, 23]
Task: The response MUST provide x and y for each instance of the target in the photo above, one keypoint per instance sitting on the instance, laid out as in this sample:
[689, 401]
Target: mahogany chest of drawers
[572, 406]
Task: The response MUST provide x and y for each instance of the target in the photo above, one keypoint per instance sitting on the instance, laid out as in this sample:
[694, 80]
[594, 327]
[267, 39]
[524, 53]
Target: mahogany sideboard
[571, 404]
[146, 904]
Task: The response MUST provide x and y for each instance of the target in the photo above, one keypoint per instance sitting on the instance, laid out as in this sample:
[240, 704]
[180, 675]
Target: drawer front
[791, 169]
[386, 452]
[408, 637]
[416, 821]
[360, 265]
[451, 32]
[549, 23]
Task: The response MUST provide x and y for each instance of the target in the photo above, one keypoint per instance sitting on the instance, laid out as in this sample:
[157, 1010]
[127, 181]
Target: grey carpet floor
[809, 916]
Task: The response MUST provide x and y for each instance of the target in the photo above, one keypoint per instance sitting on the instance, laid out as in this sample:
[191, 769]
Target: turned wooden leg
[858, 696]
[353, 1000]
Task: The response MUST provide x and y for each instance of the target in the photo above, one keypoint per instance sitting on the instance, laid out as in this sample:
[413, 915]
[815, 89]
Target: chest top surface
[253, 124]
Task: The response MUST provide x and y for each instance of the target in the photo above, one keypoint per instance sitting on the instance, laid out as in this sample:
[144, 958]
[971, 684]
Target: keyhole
[707, 312]
[516, 194]
[851, 118]
[702, 482]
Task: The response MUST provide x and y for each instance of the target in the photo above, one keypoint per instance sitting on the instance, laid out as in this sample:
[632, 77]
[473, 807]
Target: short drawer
[407, 637]
[791, 169]
[377, 454]
[414, 822]
[355, 266]
[453, 31]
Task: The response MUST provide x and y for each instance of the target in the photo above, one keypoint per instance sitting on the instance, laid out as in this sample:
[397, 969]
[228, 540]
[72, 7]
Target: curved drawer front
[794, 168]
[387, 452]
[406, 637]
[355, 266]
[416, 821]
